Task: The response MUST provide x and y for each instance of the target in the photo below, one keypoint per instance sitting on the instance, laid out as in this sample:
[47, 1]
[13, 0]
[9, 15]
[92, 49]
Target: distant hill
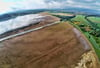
[10, 15]
[79, 11]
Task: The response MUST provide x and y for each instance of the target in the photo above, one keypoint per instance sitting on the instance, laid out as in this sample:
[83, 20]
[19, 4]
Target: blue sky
[12, 5]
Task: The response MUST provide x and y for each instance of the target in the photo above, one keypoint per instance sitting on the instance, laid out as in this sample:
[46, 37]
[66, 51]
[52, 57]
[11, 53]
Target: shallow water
[19, 22]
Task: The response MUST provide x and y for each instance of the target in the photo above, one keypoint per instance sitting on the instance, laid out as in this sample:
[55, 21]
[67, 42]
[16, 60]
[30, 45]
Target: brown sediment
[51, 47]
[89, 59]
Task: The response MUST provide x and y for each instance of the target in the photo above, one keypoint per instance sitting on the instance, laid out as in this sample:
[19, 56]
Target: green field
[95, 19]
[93, 39]
[80, 18]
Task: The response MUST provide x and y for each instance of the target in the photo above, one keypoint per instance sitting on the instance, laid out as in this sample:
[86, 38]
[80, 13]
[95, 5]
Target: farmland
[56, 45]
[95, 19]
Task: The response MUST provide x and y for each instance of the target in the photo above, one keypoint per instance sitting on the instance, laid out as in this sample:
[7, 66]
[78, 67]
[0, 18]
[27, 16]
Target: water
[19, 22]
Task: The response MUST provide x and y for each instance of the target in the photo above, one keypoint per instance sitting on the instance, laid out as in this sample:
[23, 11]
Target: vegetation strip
[81, 22]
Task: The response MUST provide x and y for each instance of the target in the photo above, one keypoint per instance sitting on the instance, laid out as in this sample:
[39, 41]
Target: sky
[12, 5]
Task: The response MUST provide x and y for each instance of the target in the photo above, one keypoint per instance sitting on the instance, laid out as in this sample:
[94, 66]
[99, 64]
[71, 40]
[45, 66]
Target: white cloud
[89, 0]
[11, 5]
[4, 6]
[32, 4]
[89, 4]
[97, 3]
[70, 2]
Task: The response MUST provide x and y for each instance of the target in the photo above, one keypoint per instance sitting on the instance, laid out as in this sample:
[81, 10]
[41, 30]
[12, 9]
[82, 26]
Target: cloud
[90, 4]
[32, 4]
[4, 6]
[12, 5]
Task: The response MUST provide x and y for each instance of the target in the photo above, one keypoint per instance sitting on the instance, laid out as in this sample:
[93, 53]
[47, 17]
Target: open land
[57, 46]
[52, 47]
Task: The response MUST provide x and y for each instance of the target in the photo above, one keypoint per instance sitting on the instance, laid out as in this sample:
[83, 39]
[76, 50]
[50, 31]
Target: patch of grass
[94, 19]
[81, 19]
[95, 41]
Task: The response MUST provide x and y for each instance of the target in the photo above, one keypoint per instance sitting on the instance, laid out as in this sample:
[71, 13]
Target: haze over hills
[82, 11]
[74, 10]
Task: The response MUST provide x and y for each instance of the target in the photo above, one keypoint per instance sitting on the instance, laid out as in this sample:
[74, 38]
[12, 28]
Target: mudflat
[51, 47]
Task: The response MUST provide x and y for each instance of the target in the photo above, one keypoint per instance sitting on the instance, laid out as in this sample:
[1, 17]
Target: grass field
[94, 40]
[80, 18]
[95, 19]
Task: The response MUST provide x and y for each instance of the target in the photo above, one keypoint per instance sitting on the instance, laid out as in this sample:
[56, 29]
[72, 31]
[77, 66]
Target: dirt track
[52, 47]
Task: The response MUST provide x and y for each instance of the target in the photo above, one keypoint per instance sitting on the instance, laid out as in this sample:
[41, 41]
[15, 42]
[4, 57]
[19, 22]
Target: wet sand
[51, 47]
